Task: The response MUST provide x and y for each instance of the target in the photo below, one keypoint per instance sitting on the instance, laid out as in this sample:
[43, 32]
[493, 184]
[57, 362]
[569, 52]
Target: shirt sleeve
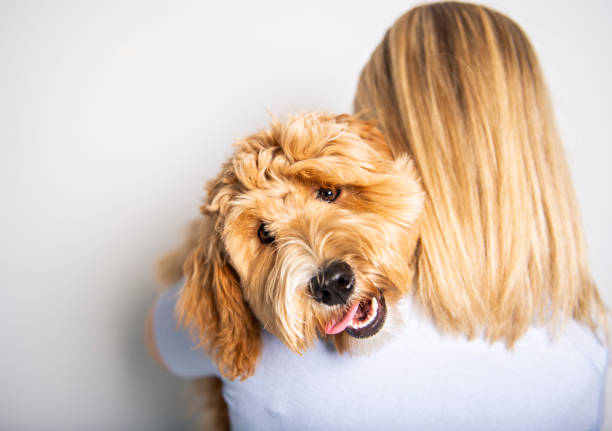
[174, 344]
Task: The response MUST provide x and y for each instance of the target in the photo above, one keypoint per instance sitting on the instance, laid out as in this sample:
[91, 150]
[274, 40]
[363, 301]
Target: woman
[501, 256]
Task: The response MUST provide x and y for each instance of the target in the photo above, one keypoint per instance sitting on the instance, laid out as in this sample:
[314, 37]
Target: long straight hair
[458, 86]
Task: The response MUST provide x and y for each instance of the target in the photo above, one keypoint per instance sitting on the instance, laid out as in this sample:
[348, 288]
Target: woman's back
[418, 380]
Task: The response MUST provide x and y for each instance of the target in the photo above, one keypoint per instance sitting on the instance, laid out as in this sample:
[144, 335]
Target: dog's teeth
[370, 317]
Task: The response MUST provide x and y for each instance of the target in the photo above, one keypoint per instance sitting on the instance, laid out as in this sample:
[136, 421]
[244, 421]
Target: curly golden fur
[236, 284]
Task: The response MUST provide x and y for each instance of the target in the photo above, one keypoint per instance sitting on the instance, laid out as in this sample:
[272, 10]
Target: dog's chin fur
[237, 282]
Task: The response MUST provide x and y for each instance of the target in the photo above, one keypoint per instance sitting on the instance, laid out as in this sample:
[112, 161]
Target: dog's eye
[264, 236]
[328, 194]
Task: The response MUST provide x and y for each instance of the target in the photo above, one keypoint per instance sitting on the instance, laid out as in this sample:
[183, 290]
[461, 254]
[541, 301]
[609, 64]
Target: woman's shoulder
[417, 377]
[174, 344]
[543, 382]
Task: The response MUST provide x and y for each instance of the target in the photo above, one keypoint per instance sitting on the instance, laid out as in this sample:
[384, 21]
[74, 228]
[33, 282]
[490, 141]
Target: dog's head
[308, 231]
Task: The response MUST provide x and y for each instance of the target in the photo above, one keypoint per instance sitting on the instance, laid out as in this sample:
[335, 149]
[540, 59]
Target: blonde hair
[458, 87]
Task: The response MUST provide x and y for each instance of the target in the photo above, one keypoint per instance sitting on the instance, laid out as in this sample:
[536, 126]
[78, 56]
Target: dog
[309, 232]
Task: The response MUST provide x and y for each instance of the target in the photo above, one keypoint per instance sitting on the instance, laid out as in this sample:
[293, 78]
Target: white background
[113, 115]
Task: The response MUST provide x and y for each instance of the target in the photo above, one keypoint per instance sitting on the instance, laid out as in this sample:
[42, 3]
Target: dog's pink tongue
[333, 327]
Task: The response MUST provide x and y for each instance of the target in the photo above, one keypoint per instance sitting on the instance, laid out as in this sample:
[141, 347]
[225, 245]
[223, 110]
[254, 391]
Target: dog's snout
[333, 284]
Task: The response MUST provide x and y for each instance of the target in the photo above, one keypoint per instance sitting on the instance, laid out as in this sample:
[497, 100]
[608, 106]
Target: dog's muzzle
[333, 284]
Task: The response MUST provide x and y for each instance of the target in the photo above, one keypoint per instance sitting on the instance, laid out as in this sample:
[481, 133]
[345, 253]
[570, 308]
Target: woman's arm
[172, 346]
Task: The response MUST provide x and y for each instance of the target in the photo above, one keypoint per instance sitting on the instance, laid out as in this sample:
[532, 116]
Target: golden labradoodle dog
[308, 231]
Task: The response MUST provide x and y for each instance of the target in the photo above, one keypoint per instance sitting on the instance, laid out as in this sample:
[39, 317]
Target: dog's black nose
[333, 284]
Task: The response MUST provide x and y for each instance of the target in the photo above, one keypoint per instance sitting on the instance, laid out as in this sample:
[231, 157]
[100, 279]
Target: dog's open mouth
[362, 320]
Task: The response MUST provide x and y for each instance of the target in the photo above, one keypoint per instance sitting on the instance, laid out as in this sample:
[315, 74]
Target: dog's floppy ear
[212, 307]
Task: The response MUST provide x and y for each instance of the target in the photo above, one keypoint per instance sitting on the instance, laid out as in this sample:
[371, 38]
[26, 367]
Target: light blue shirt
[418, 380]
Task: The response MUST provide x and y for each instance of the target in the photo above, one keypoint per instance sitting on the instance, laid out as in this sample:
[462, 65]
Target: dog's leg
[211, 405]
